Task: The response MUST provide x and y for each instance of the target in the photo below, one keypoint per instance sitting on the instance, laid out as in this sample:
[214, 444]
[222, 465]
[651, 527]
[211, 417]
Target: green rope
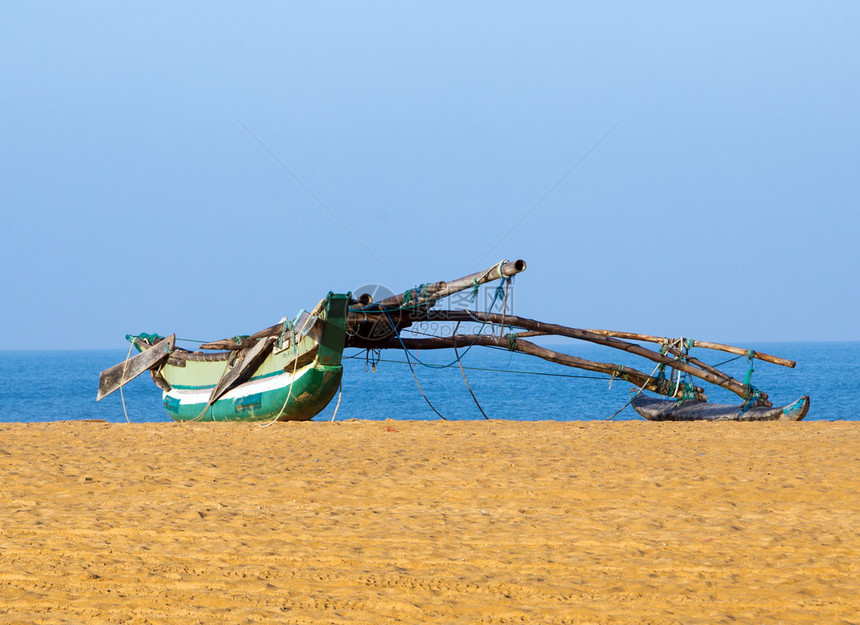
[754, 396]
[512, 341]
[751, 394]
[150, 338]
[500, 290]
[240, 338]
[748, 379]
[475, 290]
[663, 386]
[689, 393]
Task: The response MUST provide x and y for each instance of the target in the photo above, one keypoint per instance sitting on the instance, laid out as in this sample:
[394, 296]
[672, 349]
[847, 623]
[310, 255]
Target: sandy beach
[430, 522]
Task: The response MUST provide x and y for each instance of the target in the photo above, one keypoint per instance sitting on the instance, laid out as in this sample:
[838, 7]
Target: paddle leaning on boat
[292, 370]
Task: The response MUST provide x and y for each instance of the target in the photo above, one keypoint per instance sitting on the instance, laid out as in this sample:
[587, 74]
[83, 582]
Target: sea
[61, 385]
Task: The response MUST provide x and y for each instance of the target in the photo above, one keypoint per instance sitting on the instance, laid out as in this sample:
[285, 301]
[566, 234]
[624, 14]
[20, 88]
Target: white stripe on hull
[272, 383]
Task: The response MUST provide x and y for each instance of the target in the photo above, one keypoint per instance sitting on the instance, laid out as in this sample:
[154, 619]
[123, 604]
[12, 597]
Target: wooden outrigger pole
[378, 326]
[517, 344]
[680, 362]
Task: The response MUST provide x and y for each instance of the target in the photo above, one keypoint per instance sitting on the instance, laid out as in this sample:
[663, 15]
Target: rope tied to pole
[683, 347]
[748, 378]
[475, 289]
[688, 393]
[751, 394]
[633, 395]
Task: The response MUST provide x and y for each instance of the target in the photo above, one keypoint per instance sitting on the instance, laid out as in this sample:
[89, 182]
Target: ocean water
[59, 385]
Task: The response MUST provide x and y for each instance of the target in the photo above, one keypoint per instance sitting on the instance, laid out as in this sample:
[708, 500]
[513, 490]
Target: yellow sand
[442, 522]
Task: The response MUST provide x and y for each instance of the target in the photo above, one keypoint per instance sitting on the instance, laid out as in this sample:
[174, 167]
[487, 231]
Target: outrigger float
[292, 370]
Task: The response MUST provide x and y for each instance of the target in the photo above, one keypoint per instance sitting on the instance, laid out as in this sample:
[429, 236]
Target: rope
[415, 377]
[689, 393]
[684, 346]
[725, 362]
[371, 359]
[748, 378]
[212, 404]
[450, 364]
[469, 386]
[504, 305]
[475, 289]
[339, 395]
[122, 382]
[289, 394]
[751, 401]
[751, 393]
[492, 370]
[633, 396]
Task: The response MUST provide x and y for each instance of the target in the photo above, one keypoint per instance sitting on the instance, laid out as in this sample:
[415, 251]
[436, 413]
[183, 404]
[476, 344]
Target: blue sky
[138, 195]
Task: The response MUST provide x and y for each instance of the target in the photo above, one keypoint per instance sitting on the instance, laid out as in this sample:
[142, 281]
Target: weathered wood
[303, 326]
[121, 374]
[464, 340]
[692, 410]
[417, 296]
[244, 366]
[496, 272]
[304, 358]
[632, 336]
[721, 379]
[377, 325]
[243, 342]
[432, 292]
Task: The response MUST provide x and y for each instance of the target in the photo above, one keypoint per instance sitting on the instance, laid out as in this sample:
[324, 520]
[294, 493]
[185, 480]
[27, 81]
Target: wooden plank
[121, 374]
[246, 363]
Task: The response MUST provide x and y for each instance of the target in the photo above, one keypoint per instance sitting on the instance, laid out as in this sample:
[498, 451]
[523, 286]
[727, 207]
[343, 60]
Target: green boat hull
[294, 379]
[311, 391]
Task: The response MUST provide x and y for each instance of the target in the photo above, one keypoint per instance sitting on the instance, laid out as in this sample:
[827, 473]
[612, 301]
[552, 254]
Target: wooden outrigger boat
[292, 370]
